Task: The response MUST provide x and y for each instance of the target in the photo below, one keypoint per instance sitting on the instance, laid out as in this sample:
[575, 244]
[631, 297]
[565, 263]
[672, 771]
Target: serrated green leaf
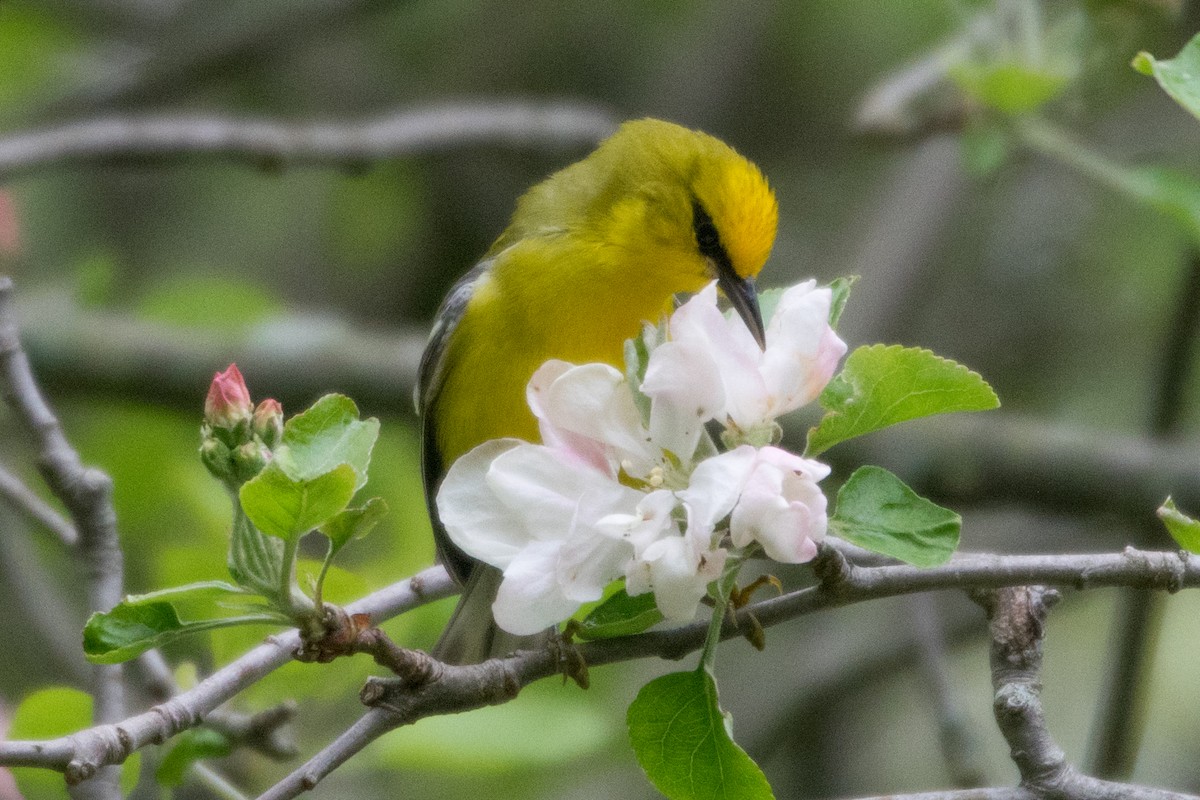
[354, 523]
[131, 629]
[877, 511]
[1183, 529]
[325, 436]
[1010, 87]
[881, 385]
[48, 714]
[620, 615]
[682, 742]
[187, 748]
[1179, 76]
[282, 506]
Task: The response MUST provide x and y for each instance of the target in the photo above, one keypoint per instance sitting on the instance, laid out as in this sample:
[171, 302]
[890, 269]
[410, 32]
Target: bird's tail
[471, 635]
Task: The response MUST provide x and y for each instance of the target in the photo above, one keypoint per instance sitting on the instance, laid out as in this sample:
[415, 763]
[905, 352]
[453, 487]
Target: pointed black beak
[744, 299]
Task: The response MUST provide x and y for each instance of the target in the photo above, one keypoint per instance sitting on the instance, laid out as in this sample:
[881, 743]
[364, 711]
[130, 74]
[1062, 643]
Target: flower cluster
[627, 482]
[237, 437]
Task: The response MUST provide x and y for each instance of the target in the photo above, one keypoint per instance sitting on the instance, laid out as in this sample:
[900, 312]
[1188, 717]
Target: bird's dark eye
[706, 232]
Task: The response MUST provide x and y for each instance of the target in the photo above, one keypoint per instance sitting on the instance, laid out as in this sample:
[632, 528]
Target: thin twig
[276, 143]
[87, 494]
[25, 501]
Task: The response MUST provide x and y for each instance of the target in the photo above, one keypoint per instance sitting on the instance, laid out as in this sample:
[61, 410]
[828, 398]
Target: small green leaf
[881, 385]
[325, 436]
[187, 748]
[49, 714]
[1010, 87]
[287, 507]
[681, 739]
[621, 615]
[877, 511]
[354, 523]
[127, 632]
[1179, 76]
[1183, 529]
[841, 293]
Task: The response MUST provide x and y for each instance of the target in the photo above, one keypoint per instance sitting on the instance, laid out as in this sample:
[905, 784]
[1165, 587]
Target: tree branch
[79, 755]
[1017, 616]
[449, 689]
[22, 499]
[87, 494]
[271, 142]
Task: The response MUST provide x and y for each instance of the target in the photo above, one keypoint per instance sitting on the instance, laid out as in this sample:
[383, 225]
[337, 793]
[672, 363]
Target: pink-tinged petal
[585, 449]
[594, 401]
[530, 598]
[802, 349]
[781, 507]
[474, 517]
[228, 401]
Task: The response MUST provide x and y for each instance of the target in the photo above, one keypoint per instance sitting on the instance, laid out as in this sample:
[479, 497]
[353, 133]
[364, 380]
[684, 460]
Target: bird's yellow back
[590, 253]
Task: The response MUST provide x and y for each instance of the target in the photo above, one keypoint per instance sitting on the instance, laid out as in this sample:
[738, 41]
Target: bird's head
[689, 209]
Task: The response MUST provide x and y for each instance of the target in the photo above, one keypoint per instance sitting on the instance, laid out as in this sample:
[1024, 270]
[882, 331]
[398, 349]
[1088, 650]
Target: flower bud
[216, 458]
[249, 460]
[267, 422]
[228, 403]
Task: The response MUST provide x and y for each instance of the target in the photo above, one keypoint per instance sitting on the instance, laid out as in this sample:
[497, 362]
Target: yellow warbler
[590, 254]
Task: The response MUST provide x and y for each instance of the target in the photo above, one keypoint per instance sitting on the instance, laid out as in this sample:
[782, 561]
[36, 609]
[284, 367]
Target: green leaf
[187, 748]
[620, 615]
[354, 523]
[841, 293]
[287, 507]
[325, 436]
[682, 741]
[877, 511]
[49, 714]
[984, 149]
[1183, 529]
[1179, 76]
[881, 385]
[140, 622]
[1010, 87]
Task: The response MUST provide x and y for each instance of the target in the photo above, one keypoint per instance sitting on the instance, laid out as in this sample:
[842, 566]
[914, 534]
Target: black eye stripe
[707, 238]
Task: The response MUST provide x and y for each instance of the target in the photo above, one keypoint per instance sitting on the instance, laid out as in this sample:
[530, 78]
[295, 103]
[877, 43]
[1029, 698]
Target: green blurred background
[138, 278]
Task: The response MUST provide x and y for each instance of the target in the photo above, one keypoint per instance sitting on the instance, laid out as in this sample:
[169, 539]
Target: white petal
[802, 349]
[677, 574]
[714, 488]
[530, 598]
[595, 401]
[686, 391]
[475, 519]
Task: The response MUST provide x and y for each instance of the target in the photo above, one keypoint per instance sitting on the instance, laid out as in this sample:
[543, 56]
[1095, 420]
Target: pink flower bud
[228, 402]
[268, 422]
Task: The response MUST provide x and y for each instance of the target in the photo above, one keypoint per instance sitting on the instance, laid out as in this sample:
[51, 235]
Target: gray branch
[23, 500]
[1017, 622]
[79, 755]
[87, 494]
[402, 133]
[453, 689]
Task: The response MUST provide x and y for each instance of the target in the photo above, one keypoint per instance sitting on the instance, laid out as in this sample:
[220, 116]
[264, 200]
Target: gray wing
[429, 383]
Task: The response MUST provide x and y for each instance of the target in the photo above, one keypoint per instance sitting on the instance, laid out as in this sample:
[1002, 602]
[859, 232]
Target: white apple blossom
[609, 494]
